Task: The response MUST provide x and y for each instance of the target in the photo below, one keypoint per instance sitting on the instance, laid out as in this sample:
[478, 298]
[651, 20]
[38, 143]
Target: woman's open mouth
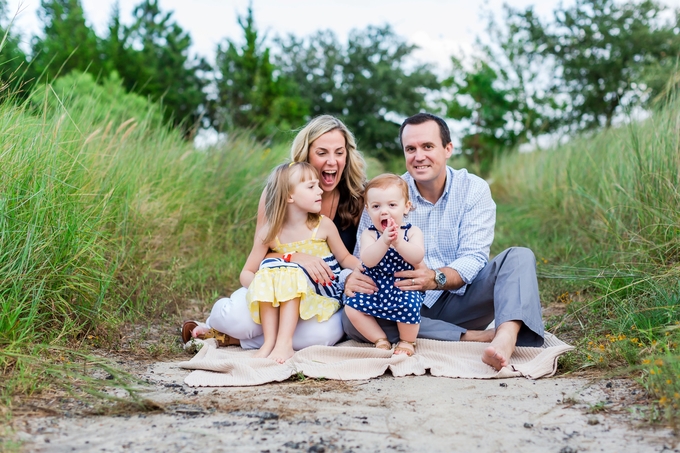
[329, 176]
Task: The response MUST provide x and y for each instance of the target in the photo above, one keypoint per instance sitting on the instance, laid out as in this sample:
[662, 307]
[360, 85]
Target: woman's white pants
[230, 315]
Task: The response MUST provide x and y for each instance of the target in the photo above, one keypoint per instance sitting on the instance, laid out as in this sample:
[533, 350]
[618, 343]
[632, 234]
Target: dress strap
[278, 243]
[406, 228]
[316, 228]
[377, 233]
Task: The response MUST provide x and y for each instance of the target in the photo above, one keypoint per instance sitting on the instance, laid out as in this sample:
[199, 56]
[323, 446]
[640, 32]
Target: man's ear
[449, 150]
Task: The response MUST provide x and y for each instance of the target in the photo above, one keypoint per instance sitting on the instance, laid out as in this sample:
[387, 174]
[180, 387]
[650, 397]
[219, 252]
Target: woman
[327, 144]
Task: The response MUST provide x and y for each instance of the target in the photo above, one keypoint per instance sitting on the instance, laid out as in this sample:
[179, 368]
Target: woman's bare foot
[281, 353]
[200, 330]
[264, 351]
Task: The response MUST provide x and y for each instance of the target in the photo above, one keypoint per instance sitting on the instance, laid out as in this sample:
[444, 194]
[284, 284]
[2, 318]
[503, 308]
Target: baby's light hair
[280, 184]
[384, 181]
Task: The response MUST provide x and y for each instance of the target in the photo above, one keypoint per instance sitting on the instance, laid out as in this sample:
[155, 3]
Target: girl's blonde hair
[280, 184]
[351, 185]
[386, 180]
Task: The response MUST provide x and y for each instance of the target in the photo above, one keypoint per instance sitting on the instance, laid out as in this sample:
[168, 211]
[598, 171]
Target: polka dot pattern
[389, 302]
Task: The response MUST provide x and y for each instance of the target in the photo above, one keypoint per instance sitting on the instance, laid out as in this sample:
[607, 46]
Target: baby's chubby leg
[407, 336]
[367, 326]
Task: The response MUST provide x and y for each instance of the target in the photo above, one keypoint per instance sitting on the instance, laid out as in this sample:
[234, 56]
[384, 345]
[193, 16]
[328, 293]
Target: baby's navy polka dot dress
[389, 302]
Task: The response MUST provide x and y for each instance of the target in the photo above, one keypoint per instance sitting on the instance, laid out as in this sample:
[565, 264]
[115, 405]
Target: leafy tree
[251, 91]
[12, 59]
[68, 42]
[504, 97]
[603, 51]
[478, 98]
[367, 82]
[152, 57]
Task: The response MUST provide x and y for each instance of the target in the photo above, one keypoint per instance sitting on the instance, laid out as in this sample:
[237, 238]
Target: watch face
[441, 278]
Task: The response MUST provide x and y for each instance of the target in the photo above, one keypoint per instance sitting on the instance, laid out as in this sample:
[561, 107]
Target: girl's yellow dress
[277, 281]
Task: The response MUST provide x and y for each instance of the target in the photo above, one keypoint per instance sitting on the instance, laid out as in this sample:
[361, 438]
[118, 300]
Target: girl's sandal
[222, 339]
[406, 351]
[383, 343]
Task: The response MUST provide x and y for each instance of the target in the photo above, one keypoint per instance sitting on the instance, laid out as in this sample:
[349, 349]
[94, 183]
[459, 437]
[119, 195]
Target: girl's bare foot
[264, 351]
[281, 353]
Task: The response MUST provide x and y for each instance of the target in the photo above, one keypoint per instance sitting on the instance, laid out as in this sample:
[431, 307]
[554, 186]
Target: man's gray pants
[506, 289]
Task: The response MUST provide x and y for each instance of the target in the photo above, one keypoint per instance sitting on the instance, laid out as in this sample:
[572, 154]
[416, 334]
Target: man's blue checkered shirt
[457, 229]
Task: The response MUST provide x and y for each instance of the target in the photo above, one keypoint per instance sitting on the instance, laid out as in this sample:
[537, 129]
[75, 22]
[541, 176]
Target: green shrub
[601, 213]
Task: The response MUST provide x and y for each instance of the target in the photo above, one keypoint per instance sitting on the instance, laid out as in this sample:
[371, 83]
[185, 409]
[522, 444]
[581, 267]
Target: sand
[414, 414]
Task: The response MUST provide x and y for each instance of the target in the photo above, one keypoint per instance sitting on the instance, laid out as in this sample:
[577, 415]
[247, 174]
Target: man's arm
[475, 235]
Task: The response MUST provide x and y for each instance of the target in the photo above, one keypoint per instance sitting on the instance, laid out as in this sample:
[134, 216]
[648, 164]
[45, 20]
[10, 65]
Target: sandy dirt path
[409, 414]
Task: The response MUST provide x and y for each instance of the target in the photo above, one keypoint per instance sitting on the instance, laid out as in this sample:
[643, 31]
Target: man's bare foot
[281, 353]
[494, 358]
[480, 336]
[502, 346]
[264, 351]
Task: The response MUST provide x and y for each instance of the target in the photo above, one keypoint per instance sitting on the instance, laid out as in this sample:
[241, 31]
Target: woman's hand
[316, 267]
[358, 282]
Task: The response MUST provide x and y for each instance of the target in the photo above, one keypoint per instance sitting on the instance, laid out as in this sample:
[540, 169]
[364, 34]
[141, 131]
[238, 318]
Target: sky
[440, 28]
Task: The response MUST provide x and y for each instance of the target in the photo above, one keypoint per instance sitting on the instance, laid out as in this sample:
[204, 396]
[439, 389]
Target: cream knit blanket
[233, 366]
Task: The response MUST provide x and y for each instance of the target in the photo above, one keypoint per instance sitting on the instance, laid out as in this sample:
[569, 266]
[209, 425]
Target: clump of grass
[108, 216]
[600, 212]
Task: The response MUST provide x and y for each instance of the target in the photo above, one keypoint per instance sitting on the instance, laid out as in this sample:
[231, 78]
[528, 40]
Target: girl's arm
[413, 250]
[372, 249]
[257, 254]
[338, 249]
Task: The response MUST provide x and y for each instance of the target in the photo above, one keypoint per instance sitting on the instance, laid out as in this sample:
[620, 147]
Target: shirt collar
[447, 185]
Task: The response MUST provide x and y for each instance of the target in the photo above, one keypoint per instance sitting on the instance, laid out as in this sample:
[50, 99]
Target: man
[464, 292]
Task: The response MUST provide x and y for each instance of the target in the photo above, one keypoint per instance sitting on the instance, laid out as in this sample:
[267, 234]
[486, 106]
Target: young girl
[281, 292]
[388, 246]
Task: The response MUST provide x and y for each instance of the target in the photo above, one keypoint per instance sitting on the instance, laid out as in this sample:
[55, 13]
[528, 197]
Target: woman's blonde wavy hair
[280, 184]
[353, 178]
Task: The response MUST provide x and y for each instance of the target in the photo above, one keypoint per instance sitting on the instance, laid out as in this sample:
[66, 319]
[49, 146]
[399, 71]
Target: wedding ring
[413, 282]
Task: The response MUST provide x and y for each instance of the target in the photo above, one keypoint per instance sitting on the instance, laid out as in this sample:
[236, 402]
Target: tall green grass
[602, 213]
[106, 216]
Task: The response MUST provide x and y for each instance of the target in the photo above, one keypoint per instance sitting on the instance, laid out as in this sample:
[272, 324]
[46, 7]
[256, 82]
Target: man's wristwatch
[439, 278]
